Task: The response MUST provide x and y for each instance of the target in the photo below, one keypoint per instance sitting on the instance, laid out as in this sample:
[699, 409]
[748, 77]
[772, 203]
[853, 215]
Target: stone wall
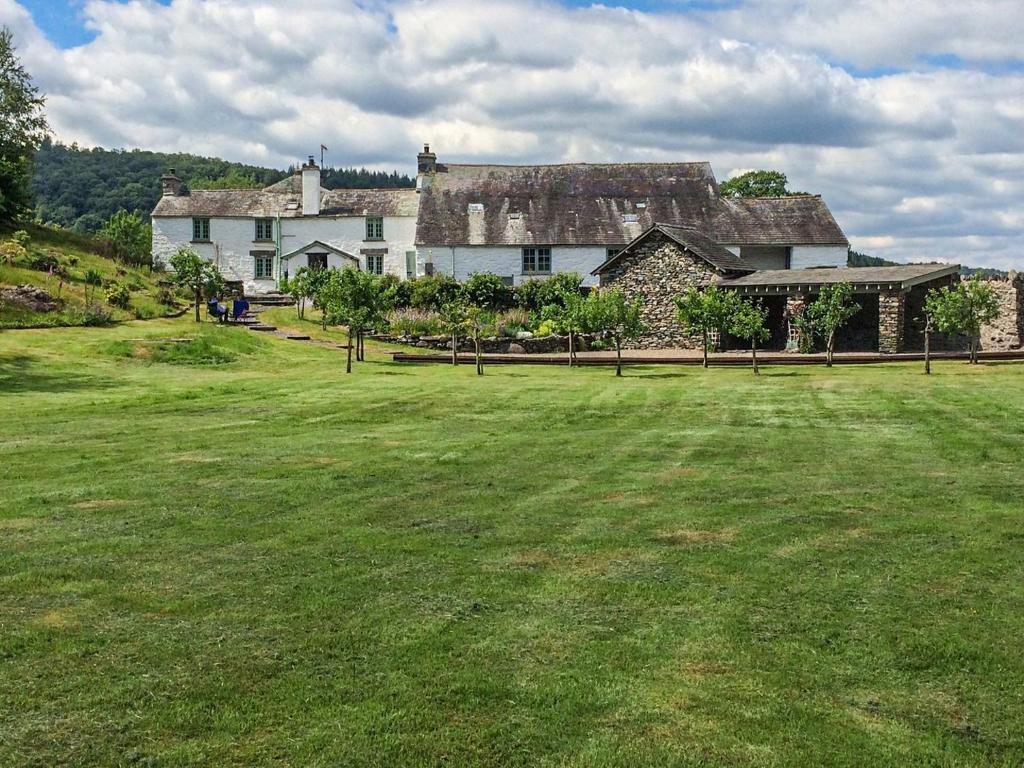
[495, 344]
[657, 271]
[891, 308]
[1007, 330]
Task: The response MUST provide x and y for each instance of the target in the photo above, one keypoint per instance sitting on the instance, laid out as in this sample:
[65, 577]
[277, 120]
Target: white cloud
[921, 163]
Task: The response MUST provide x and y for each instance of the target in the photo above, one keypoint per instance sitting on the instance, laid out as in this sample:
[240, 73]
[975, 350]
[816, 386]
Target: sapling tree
[963, 309]
[610, 313]
[197, 274]
[299, 287]
[352, 298]
[454, 317]
[705, 311]
[833, 308]
[477, 321]
[749, 321]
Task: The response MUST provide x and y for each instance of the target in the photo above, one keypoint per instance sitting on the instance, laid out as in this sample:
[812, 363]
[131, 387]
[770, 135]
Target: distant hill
[857, 259]
[80, 188]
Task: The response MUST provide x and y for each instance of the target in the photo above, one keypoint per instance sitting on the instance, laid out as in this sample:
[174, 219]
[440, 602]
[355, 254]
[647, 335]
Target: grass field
[261, 561]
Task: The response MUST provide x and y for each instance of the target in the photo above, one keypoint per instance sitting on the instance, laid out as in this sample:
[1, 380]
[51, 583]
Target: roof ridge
[575, 164]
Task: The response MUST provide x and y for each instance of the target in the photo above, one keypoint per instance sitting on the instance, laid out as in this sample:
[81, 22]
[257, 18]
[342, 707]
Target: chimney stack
[426, 161]
[170, 184]
[311, 188]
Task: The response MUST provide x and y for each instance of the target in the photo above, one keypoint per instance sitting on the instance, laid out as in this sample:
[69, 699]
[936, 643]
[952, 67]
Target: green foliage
[91, 314]
[11, 251]
[131, 239]
[433, 292]
[23, 128]
[302, 287]
[209, 347]
[414, 322]
[487, 291]
[963, 308]
[537, 293]
[546, 328]
[353, 298]
[82, 188]
[118, 295]
[397, 292]
[705, 310]
[195, 273]
[44, 261]
[757, 184]
[858, 259]
[832, 309]
[749, 321]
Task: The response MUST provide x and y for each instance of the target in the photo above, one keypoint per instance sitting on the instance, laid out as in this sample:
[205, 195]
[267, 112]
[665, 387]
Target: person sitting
[239, 308]
[217, 310]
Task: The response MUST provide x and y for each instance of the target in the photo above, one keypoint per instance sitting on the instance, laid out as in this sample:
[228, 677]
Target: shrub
[91, 315]
[511, 322]
[45, 261]
[118, 295]
[166, 297]
[414, 322]
[397, 293]
[487, 291]
[535, 294]
[11, 251]
[433, 292]
[546, 328]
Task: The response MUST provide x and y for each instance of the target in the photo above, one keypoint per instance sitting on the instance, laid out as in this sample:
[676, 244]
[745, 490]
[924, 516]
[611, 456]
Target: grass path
[265, 561]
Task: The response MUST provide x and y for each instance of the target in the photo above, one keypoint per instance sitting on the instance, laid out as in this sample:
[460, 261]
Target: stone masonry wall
[656, 272]
[1007, 330]
[891, 308]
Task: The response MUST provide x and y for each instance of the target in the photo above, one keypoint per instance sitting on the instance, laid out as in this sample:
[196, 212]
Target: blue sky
[907, 117]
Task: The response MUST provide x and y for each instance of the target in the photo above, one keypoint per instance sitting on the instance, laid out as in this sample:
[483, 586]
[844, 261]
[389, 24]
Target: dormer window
[515, 215]
[476, 207]
[630, 218]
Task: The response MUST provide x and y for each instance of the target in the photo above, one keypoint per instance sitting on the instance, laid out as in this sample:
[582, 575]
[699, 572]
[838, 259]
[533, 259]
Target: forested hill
[82, 188]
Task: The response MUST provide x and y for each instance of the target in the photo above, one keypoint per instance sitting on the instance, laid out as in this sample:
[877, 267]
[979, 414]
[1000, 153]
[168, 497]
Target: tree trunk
[830, 348]
[348, 365]
[199, 300]
[570, 347]
[455, 349]
[974, 349]
[705, 347]
[479, 363]
[753, 355]
[360, 347]
[618, 356]
[928, 348]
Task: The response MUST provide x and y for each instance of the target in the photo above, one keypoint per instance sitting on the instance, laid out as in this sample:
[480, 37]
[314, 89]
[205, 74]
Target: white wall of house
[507, 261]
[804, 256]
[232, 240]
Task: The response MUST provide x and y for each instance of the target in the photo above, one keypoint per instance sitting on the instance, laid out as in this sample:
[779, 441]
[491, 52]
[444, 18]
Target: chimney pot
[310, 189]
[426, 161]
[170, 184]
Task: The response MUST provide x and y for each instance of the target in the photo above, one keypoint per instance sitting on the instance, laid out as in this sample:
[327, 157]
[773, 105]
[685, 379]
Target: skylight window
[476, 207]
[630, 218]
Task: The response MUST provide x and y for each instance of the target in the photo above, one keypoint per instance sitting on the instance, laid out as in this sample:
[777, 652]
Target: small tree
[609, 312]
[132, 240]
[749, 321]
[454, 319]
[300, 288]
[22, 130]
[487, 291]
[477, 321]
[194, 272]
[963, 309]
[93, 280]
[352, 298]
[834, 307]
[705, 311]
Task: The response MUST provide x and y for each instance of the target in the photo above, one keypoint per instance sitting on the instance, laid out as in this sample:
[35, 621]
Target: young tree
[477, 320]
[573, 321]
[93, 280]
[834, 307]
[352, 298]
[454, 319]
[132, 240]
[757, 184]
[749, 322]
[194, 272]
[610, 313]
[300, 288]
[705, 311]
[22, 130]
[963, 309]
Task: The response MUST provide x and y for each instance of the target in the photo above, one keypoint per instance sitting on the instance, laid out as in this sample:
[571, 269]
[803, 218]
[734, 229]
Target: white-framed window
[375, 263]
[536, 261]
[264, 229]
[374, 227]
[201, 229]
[263, 266]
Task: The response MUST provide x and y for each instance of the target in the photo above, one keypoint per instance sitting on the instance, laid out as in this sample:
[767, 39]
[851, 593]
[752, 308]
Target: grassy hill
[240, 556]
[76, 255]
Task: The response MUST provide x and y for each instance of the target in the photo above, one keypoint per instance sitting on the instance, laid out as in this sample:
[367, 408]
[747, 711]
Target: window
[375, 263]
[264, 229]
[537, 260]
[374, 228]
[200, 229]
[316, 261]
[264, 266]
[410, 264]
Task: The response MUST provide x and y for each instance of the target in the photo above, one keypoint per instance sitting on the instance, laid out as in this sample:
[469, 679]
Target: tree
[355, 299]
[705, 311]
[963, 309]
[93, 279]
[749, 321]
[572, 319]
[197, 274]
[132, 240]
[610, 313]
[22, 130]
[757, 184]
[454, 317]
[487, 291]
[834, 306]
[477, 321]
[300, 288]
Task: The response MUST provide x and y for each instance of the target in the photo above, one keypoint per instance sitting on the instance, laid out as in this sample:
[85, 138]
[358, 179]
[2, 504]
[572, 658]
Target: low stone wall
[495, 345]
[1007, 330]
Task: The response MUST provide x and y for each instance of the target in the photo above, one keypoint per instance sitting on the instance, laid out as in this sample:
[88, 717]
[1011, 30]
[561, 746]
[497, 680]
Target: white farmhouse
[518, 222]
[258, 236]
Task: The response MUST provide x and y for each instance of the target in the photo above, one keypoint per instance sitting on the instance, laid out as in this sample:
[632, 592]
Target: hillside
[63, 300]
[80, 188]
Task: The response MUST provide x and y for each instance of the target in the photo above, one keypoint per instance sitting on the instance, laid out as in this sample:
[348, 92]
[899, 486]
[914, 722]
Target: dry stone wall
[1007, 330]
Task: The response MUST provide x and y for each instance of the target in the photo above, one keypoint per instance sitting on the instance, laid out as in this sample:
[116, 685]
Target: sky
[908, 118]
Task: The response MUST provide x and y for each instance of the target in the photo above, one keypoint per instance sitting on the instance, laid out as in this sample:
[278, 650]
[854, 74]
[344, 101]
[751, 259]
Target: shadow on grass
[24, 373]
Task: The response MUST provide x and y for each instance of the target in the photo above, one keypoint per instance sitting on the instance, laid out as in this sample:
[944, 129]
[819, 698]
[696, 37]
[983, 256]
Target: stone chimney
[170, 184]
[311, 188]
[426, 161]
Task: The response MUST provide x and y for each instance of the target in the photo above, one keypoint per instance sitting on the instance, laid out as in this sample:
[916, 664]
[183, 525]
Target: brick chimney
[170, 184]
[426, 161]
[311, 188]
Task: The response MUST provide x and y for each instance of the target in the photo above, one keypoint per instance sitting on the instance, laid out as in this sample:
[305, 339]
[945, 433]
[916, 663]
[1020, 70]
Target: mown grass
[264, 561]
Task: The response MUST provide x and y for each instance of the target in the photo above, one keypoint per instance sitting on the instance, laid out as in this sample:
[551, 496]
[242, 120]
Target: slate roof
[903, 276]
[320, 244]
[596, 204]
[697, 243]
[285, 199]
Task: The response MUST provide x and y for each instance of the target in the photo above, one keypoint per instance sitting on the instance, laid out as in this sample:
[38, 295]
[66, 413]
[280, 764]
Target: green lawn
[263, 561]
